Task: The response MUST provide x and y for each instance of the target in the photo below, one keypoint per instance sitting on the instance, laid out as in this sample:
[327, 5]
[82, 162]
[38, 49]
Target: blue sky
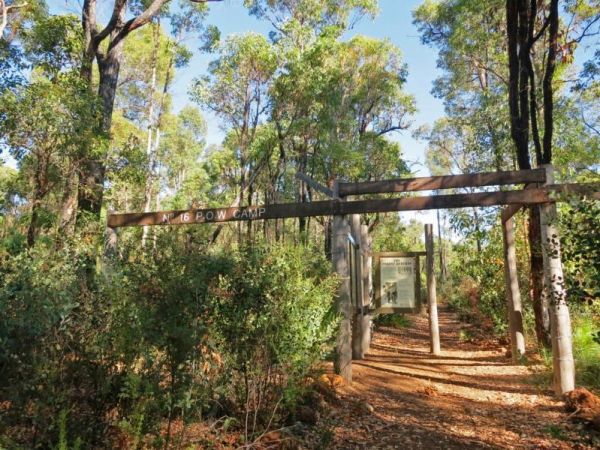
[394, 22]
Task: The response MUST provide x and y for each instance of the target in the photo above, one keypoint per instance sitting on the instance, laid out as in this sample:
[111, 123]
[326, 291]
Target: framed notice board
[397, 282]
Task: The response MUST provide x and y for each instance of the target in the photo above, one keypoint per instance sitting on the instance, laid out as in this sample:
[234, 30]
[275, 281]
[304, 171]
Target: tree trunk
[40, 180]
[68, 207]
[441, 250]
[91, 183]
[150, 154]
[536, 280]
[32, 228]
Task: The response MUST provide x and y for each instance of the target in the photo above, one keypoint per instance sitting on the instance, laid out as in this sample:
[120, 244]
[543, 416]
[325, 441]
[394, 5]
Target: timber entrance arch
[347, 233]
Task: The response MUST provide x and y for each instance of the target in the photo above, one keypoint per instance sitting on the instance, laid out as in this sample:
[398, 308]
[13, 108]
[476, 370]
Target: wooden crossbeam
[443, 182]
[509, 211]
[316, 186]
[337, 207]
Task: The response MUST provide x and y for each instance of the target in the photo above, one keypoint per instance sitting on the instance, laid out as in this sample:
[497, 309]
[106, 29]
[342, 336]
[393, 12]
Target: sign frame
[377, 282]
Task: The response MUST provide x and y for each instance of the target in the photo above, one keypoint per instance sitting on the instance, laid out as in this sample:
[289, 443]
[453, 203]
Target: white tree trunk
[148, 189]
[560, 320]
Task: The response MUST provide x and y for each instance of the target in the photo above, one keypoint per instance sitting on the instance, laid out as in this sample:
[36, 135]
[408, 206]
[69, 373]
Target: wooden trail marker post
[358, 350]
[340, 256]
[434, 328]
[366, 317]
[513, 294]
[531, 195]
[340, 259]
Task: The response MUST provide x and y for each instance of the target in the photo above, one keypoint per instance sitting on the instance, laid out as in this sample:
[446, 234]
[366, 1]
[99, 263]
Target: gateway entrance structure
[353, 336]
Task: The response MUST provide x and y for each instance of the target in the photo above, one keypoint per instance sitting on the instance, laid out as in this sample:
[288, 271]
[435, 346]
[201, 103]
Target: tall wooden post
[434, 329]
[367, 281]
[554, 289]
[340, 258]
[360, 329]
[111, 240]
[422, 302]
[513, 294]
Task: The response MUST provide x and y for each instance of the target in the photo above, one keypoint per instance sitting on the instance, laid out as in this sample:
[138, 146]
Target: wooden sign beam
[443, 182]
[337, 207]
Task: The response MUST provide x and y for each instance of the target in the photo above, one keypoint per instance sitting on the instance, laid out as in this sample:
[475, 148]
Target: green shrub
[273, 314]
[393, 320]
[88, 357]
[586, 351]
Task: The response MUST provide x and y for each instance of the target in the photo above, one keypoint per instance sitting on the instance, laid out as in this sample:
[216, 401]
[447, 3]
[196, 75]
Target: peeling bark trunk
[69, 205]
[536, 280]
[91, 187]
[40, 181]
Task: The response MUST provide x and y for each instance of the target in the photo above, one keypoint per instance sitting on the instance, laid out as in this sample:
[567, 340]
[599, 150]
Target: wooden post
[358, 325]
[111, 240]
[434, 329]
[367, 259]
[422, 305]
[340, 258]
[513, 295]
[554, 286]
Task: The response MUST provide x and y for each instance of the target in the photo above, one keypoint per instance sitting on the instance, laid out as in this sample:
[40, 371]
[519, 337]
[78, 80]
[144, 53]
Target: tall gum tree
[535, 28]
[105, 46]
[494, 51]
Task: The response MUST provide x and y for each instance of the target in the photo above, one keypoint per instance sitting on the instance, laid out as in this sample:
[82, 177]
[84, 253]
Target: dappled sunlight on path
[471, 396]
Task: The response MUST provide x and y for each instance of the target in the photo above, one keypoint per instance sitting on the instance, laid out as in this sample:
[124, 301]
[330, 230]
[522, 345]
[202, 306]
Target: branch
[144, 18]
[585, 30]
[112, 23]
[589, 125]
[9, 7]
[398, 127]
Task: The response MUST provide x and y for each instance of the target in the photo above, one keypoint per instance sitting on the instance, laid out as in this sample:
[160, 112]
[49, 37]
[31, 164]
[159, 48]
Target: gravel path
[470, 397]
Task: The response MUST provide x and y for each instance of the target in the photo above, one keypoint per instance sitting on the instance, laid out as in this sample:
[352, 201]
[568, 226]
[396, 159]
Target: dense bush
[476, 288]
[89, 359]
[580, 228]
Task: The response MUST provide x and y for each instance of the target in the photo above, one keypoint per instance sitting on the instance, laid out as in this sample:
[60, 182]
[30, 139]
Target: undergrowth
[586, 353]
[586, 350]
[393, 320]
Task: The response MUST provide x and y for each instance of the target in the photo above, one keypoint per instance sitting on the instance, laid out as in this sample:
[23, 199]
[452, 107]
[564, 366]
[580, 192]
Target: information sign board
[397, 282]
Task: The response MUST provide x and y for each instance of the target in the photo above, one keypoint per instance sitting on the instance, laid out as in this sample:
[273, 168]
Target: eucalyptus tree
[105, 46]
[334, 104]
[180, 152]
[45, 125]
[17, 16]
[237, 91]
[49, 120]
[494, 51]
[537, 29]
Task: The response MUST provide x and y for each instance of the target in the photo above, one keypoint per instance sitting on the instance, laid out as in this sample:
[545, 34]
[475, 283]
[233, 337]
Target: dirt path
[471, 396]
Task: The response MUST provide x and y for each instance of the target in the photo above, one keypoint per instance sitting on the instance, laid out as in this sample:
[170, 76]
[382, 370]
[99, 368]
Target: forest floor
[472, 396]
